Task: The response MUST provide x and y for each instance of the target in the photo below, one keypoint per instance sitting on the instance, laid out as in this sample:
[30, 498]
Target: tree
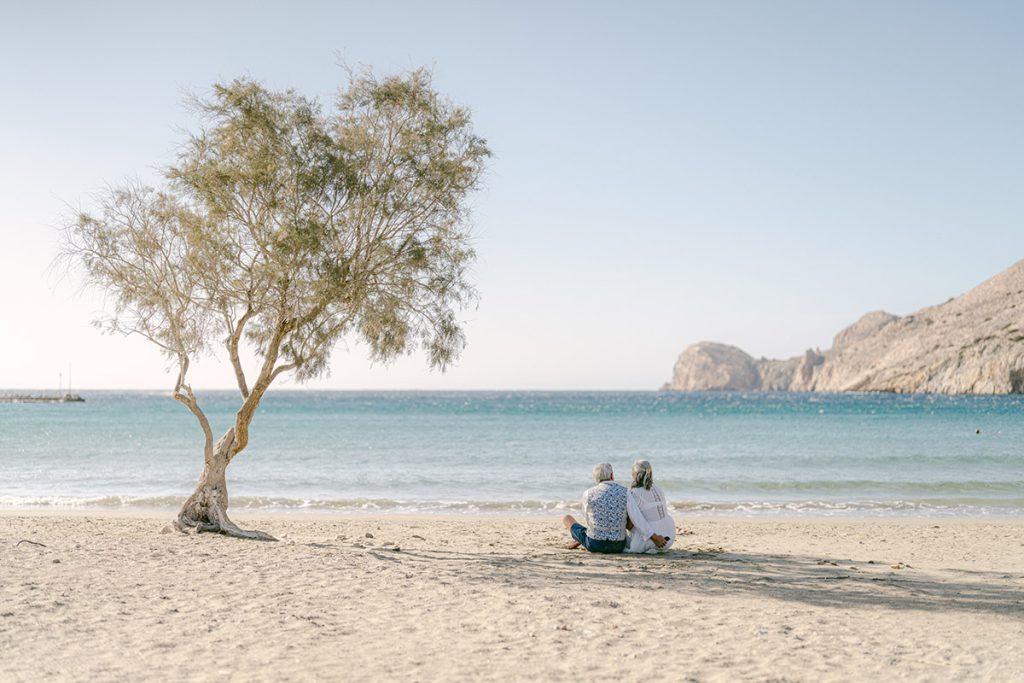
[283, 228]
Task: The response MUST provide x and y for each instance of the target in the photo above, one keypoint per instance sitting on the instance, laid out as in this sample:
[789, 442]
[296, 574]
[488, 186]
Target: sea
[519, 452]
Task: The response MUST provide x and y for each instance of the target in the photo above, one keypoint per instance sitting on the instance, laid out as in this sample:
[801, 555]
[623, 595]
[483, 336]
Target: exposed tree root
[206, 512]
[254, 534]
[226, 527]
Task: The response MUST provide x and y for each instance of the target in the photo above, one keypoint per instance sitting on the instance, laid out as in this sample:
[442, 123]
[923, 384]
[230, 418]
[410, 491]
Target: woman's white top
[654, 508]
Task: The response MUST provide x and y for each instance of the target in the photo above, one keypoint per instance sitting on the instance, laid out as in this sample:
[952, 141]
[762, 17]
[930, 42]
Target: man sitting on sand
[607, 508]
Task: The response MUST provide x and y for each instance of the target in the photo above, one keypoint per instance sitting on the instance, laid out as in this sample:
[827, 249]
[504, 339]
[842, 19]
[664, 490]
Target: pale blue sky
[749, 172]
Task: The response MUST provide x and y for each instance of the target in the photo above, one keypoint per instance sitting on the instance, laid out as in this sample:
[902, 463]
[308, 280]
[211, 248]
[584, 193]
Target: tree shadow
[815, 581]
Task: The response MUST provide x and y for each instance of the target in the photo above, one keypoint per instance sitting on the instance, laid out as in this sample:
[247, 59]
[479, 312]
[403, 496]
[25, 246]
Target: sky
[754, 173]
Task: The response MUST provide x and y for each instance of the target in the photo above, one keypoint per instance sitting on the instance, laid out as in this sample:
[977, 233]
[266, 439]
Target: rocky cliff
[972, 344]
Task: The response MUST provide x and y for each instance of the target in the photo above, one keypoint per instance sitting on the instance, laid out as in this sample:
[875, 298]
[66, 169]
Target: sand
[358, 598]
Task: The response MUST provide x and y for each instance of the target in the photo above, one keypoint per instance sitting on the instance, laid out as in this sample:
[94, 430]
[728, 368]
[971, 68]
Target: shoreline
[447, 509]
[301, 515]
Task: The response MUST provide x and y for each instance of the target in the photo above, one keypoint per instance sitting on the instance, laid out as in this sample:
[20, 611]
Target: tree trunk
[207, 508]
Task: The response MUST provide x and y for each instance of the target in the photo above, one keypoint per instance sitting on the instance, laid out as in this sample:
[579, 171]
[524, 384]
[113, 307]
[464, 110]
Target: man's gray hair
[602, 472]
[643, 477]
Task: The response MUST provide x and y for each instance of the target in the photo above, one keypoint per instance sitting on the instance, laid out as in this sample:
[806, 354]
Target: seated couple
[633, 520]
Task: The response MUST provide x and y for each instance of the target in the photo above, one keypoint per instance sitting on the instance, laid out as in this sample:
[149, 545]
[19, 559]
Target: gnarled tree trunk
[207, 508]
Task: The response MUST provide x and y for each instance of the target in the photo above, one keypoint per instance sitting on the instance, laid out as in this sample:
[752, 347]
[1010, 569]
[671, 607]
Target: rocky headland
[971, 344]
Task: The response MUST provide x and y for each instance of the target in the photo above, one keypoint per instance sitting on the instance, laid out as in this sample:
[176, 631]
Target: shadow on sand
[822, 582]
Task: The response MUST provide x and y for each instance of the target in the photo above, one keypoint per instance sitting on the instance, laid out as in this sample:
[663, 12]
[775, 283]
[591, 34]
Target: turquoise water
[529, 451]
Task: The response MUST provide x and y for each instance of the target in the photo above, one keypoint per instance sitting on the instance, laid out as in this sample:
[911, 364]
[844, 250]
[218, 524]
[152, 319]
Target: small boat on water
[60, 397]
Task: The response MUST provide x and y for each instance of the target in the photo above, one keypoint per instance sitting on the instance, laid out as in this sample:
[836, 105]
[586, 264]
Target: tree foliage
[286, 227]
[296, 227]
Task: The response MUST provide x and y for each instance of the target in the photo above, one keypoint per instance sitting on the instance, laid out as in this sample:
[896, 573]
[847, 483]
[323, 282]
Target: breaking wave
[944, 507]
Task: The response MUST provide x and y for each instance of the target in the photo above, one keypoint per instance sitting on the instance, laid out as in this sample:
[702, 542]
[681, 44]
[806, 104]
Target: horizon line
[235, 389]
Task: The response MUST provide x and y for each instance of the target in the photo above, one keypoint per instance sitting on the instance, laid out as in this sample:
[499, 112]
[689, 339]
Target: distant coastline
[971, 344]
[40, 398]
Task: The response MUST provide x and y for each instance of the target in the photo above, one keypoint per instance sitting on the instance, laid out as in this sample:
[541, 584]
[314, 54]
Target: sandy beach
[120, 597]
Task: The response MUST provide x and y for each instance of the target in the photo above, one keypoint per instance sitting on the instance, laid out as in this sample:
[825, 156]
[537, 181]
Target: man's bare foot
[572, 545]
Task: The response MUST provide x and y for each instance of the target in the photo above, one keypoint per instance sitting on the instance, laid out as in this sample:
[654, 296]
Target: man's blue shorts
[579, 532]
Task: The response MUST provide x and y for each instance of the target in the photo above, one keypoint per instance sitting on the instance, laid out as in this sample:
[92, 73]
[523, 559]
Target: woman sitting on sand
[651, 501]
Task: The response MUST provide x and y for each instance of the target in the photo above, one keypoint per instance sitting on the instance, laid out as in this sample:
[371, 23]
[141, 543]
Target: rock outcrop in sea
[971, 344]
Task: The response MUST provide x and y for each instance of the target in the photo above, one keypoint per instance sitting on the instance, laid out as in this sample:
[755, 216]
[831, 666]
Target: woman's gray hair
[643, 477]
[603, 472]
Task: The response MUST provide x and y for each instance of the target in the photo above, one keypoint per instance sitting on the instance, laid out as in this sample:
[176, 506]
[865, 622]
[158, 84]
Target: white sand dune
[496, 598]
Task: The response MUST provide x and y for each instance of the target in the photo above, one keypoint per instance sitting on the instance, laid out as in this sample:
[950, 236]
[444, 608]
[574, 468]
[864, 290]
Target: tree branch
[234, 336]
[282, 368]
[188, 399]
[244, 415]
